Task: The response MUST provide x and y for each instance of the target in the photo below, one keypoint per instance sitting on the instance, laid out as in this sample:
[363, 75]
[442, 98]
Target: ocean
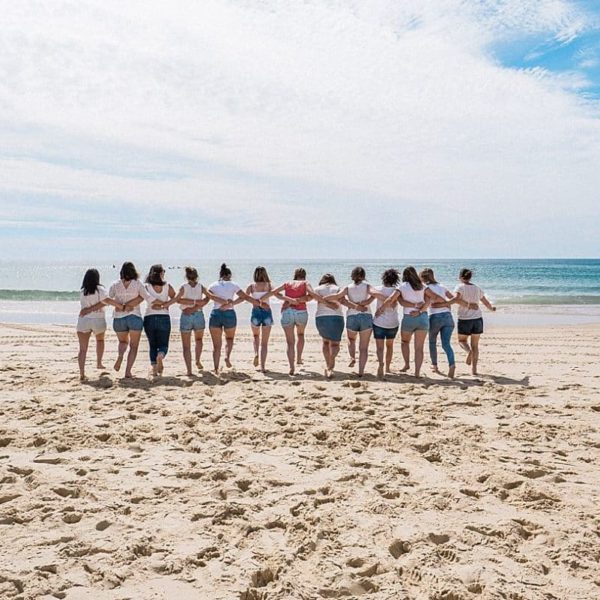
[526, 291]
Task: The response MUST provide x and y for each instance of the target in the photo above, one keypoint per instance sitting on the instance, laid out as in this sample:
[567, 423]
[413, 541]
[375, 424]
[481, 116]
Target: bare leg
[463, 342]
[325, 349]
[216, 333]
[229, 337]
[300, 345]
[123, 337]
[134, 344]
[379, 346]
[84, 340]
[363, 350]
[389, 354]
[199, 335]
[334, 350]
[99, 350]
[352, 347]
[474, 352]
[186, 342]
[290, 339]
[406, 337]
[256, 341]
[264, 347]
[420, 336]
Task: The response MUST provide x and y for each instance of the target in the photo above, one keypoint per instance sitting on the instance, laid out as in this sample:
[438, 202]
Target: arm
[244, 297]
[488, 304]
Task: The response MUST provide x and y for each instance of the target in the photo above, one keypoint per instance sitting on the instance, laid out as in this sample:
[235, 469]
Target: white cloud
[326, 117]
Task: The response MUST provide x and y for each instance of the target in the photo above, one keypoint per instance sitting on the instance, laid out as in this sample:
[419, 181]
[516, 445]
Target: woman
[192, 298]
[440, 322]
[222, 317]
[470, 318]
[261, 319]
[157, 321]
[359, 321]
[129, 293]
[294, 315]
[91, 318]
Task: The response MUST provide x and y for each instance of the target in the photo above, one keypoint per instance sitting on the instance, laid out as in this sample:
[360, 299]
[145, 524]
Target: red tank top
[296, 289]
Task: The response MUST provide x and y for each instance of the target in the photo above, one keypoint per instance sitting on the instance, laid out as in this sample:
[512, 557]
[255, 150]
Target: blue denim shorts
[226, 319]
[128, 323]
[330, 327]
[192, 322]
[359, 322]
[384, 333]
[261, 316]
[291, 316]
[412, 324]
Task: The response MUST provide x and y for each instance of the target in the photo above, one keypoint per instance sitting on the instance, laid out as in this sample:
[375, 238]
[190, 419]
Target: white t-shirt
[358, 293]
[322, 309]
[192, 293]
[389, 318]
[411, 295]
[470, 293]
[91, 299]
[162, 296]
[440, 290]
[123, 295]
[223, 289]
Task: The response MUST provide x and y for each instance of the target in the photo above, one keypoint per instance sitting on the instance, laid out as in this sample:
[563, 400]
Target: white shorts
[94, 325]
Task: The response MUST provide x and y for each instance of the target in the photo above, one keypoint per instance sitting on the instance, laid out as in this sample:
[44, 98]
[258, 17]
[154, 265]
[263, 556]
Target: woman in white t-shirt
[470, 318]
[193, 299]
[129, 292]
[157, 320]
[92, 299]
[225, 294]
[261, 319]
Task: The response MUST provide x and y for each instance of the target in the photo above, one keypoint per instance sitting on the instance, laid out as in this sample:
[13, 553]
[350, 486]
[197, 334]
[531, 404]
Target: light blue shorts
[330, 327]
[291, 316]
[193, 322]
[412, 324]
[359, 322]
[128, 323]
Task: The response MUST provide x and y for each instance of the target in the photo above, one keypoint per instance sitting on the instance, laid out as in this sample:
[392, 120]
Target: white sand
[261, 487]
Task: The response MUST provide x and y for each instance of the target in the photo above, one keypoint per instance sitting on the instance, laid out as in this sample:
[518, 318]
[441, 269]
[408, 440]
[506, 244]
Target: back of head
[90, 283]
[427, 276]
[191, 274]
[155, 274]
[358, 275]
[390, 278]
[409, 275]
[328, 279]
[261, 275]
[299, 274]
[128, 272]
[465, 274]
[225, 272]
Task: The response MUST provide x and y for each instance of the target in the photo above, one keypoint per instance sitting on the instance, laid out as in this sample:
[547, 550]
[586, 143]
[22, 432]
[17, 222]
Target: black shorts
[470, 326]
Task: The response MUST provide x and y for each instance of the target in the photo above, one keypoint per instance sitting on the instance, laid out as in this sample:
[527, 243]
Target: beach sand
[261, 487]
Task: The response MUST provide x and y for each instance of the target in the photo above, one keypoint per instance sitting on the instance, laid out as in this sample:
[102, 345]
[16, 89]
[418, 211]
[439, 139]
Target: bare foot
[128, 376]
[435, 369]
[474, 371]
[352, 362]
[380, 372]
[292, 371]
[469, 358]
[160, 365]
[189, 374]
[330, 376]
[404, 368]
[300, 361]
[118, 363]
[199, 365]
[326, 373]
[100, 366]
[82, 378]
[256, 361]
[418, 374]
[451, 371]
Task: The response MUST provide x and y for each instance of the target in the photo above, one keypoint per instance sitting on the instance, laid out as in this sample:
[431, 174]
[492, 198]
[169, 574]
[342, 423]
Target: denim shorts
[291, 316]
[412, 324]
[261, 316]
[330, 327]
[128, 323]
[193, 322]
[470, 326]
[359, 322]
[226, 319]
[384, 333]
[89, 324]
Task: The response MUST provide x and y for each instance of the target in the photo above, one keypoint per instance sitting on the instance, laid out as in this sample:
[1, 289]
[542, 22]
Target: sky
[287, 129]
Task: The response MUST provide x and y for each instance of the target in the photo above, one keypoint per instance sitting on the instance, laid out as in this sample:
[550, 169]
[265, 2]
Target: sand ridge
[262, 487]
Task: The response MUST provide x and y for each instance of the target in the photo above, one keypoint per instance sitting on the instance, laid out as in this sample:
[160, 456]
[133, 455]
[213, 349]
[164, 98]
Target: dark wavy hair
[390, 277]
[191, 274]
[128, 272]
[411, 276]
[299, 274]
[327, 279]
[224, 272]
[466, 274]
[154, 276]
[91, 282]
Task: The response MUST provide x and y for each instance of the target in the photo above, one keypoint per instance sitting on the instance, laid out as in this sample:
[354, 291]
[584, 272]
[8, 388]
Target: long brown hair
[299, 274]
[411, 276]
[358, 275]
[328, 279]
[261, 275]
[427, 276]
